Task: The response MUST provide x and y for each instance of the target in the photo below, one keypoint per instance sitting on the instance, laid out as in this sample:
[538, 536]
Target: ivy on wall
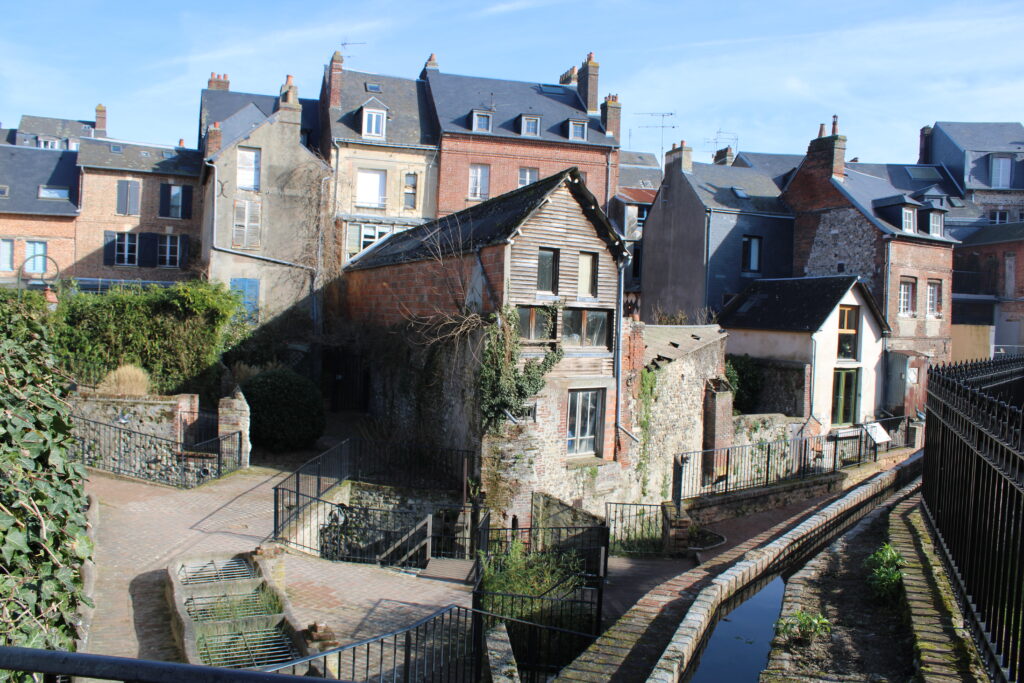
[648, 387]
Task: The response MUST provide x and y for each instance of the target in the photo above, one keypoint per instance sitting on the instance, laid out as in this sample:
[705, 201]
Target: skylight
[373, 87]
[144, 153]
[116, 149]
[956, 201]
[552, 89]
[740, 192]
[923, 173]
[168, 154]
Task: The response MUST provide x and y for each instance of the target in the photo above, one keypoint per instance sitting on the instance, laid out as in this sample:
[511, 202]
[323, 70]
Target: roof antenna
[344, 44]
[663, 126]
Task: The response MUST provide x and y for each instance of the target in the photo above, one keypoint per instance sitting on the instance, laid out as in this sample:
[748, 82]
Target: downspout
[608, 178]
[886, 364]
[707, 257]
[618, 352]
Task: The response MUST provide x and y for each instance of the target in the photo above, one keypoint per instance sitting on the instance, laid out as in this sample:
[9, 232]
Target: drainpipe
[618, 352]
[885, 311]
[608, 178]
[814, 357]
[707, 257]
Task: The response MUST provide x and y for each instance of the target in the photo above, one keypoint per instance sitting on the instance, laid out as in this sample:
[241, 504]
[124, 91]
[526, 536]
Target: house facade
[819, 345]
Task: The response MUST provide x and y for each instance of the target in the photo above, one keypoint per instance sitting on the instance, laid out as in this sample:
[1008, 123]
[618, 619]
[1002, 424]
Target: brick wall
[57, 231]
[926, 334]
[506, 156]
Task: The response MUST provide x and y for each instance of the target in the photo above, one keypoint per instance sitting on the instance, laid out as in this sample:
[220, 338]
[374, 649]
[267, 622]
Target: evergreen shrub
[286, 410]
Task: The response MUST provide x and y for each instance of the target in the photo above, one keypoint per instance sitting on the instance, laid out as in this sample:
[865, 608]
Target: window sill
[477, 199]
[588, 299]
[379, 207]
[750, 273]
[540, 296]
[586, 352]
[172, 218]
[578, 461]
[126, 265]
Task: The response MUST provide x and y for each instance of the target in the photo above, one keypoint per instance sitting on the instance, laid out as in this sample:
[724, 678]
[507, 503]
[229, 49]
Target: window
[577, 130]
[374, 121]
[248, 169]
[371, 188]
[586, 283]
[479, 181]
[998, 216]
[547, 271]
[47, 144]
[535, 323]
[5, 191]
[128, 197]
[849, 321]
[175, 201]
[638, 254]
[641, 215]
[528, 176]
[1000, 172]
[844, 396]
[934, 309]
[126, 249]
[908, 297]
[409, 191]
[35, 257]
[52, 192]
[249, 290]
[935, 223]
[372, 233]
[530, 125]
[6, 254]
[584, 421]
[373, 87]
[585, 328]
[168, 154]
[909, 219]
[583, 177]
[751, 254]
[481, 122]
[168, 253]
[245, 228]
[116, 149]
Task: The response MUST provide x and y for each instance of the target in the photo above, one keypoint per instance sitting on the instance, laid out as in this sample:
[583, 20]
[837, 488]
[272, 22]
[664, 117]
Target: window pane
[6, 254]
[248, 169]
[524, 322]
[547, 264]
[586, 285]
[35, 257]
[371, 188]
[597, 328]
[572, 327]
[540, 324]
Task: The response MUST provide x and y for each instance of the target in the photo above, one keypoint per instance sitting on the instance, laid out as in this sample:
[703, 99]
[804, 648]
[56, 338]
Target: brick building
[497, 135]
[140, 213]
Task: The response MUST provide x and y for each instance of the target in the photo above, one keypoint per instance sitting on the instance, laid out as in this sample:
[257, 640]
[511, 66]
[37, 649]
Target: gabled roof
[98, 153]
[984, 137]
[491, 222]
[635, 195]
[779, 166]
[240, 124]
[219, 105]
[797, 304]
[24, 169]
[456, 97]
[666, 343]
[640, 170]
[870, 193]
[714, 185]
[410, 119]
[995, 234]
[55, 128]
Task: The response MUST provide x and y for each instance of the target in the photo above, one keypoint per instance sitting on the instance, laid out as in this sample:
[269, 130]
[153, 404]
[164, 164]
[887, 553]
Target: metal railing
[589, 543]
[143, 456]
[198, 426]
[973, 493]
[735, 468]
[635, 529]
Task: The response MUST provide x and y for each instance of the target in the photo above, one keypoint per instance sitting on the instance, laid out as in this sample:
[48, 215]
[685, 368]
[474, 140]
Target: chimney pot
[288, 79]
[218, 82]
[821, 130]
[216, 124]
[835, 124]
[181, 142]
[590, 56]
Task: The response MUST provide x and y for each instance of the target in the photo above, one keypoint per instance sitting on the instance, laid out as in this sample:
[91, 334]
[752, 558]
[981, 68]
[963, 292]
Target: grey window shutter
[186, 201]
[183, 251]
[133, 197]
[165, 200]
[122, 197]
[109, 245]
[148, 242]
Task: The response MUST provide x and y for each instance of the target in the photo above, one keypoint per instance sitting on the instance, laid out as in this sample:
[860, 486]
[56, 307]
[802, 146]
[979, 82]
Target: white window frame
[908, 298]
[31, 257]
[751, 246]
[524, 126]
[479, 181]
[530, 176]
[909, 219]
[375, 122]
[378, 198]
[934, 302]
[248, 171]
[126, 249]
[579, 414]
[47, 144]
[999, 216]
[371, 233]
[245, 234]
[480, 118]
[6, 255]
[1001, 170]
[935, 223]
[577, 130]
[168, 245]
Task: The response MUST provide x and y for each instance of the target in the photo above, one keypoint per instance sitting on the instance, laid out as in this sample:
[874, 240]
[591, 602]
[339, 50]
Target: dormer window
[374, 123]
[577, 130]
[909, 219]
[935, 223]
[530, 126]
[1000, 172]
[482, 122]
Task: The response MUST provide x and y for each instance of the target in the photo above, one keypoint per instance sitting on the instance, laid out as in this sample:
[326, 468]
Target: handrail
[426, 521]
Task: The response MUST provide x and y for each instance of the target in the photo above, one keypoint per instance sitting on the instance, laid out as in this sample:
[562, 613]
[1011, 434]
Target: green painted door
[844, 396]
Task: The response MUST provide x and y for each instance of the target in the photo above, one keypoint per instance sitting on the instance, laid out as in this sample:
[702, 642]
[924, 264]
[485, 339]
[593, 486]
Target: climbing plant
[43, 541]
[504, 386]
[648, 387]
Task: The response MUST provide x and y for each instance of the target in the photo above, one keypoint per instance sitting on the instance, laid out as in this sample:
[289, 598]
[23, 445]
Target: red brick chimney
[681, 156]
[218, 82]
[611, 115]
[431, 65]
[332, 80]
[213, 139]
[569, 77]
[100, 129]
[587, 87]
[724, 157]
[181, 142]
[826, 156]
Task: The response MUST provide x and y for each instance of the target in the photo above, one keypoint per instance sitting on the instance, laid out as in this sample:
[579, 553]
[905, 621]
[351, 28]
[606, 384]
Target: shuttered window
[35, 257]
[175, 201]
[245, 229]
[6, 254]
[249, 290]
[128, 197]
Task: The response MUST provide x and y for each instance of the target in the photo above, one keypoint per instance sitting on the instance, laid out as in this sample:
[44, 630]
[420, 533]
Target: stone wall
[768, 428]
[233, 416]
[548, 511]
[162, 416]
[419, 501]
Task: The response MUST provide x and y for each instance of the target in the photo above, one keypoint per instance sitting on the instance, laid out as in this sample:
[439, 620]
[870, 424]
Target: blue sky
[765, 72]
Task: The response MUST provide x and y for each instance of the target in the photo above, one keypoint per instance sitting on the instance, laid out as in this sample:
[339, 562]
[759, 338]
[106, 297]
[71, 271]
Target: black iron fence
[635, 529]
[143, 456]
[199, 426]
[973, 492]
[736, 468]
[588, 543]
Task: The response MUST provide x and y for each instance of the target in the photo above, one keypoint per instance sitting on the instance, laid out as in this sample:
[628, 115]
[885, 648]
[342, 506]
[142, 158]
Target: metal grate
[216, 570]
[224, 607]
[246, 650]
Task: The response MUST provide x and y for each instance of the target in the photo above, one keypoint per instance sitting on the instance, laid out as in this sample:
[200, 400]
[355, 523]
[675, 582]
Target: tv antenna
[344, 44]
[723, 139]
[663, 125]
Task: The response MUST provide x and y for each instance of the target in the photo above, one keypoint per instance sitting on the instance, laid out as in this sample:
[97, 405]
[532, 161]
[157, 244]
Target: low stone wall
[421, 502]
[153, 414]
[762, 427]
[500, 659]
[548, 511]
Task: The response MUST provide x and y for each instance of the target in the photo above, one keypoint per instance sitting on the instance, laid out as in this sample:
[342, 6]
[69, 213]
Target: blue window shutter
[250, 290]
[165, 200]
[186, 201]
[183, 251]
[133, 197]
[122, 197]
[109, 245]
[147, 249]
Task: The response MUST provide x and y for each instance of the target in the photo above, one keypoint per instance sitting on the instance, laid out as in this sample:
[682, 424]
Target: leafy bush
[130, 380]
[43, 540]
[744, 375]
[521, 572]
[286, 410]
[884, 575]
[803, 626]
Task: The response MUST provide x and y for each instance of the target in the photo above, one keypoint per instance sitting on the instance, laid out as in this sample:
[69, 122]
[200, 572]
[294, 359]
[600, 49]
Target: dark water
[738, 648]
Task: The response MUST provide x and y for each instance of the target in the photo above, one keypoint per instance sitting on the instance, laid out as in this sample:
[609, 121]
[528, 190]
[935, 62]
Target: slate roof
[714, 185]
[219, 105]
[24, 169]
[410, 119]
[8, 136]
[635, 195]
[491, 222]
[140, 158]
[666, 343]
[995, 234]
[986, 137]
[797, 304]
[779, 166]
[455, 97]
[864, 190]
[639, 169]
[55, 128]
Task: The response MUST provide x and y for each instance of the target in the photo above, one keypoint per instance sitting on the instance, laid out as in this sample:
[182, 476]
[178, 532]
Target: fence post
[407, 674]
[477, 636]
[277, 514]
[430, 535]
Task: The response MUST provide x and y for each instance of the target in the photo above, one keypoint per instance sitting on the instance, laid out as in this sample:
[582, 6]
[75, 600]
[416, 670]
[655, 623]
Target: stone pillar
[233, 416]
[718, 427]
